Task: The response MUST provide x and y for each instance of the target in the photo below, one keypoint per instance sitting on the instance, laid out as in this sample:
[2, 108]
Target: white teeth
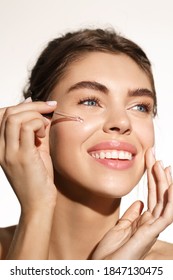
[112, 155]
[108, 155]
[121, 155]
[102, 155]
[128, 156]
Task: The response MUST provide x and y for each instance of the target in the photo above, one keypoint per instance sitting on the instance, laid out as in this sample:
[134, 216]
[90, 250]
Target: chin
[114, 186]
[84, 181]
[112, 191]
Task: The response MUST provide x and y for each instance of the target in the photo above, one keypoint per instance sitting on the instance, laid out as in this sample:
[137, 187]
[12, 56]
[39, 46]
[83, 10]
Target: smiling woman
[72, 155]
[114, 103]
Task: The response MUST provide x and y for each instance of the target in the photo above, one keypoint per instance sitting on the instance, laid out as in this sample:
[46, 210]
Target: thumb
[2, 111]
[131, 214]
[44, 141]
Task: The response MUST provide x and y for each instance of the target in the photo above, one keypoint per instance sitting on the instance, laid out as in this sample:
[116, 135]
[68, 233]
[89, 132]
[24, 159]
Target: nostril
[115, 129]
[122, 131]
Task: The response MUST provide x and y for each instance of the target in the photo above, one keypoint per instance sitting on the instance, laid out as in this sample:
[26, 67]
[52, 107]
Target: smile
[112, 154]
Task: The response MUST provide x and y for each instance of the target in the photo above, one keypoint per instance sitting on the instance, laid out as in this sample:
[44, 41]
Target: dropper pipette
[71, 117]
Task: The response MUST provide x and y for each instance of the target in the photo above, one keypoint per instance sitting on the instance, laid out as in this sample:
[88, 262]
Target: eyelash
[147, 107]
[92, 98]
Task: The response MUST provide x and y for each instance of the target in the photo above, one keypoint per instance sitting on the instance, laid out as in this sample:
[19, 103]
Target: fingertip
[168, 172]
[161, 164]
[170, 169]
[139, 205]
[51, 103]
[46, 121]
[27, 100]
[153, 151]
[150, 157]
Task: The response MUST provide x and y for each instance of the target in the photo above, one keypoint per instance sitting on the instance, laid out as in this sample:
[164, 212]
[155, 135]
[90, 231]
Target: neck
[80, 222]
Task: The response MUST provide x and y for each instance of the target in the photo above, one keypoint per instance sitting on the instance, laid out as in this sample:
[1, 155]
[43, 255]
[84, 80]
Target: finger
[131, 214]
[137, 246]
[29, 132]
[141, 240]
[167, 214]
[14, 124]
[152, 192]
[166, 217]
[41, 107]
[44, 142]
[168, 175]
[162, 186]
[119, 234]
[27, 100]
[2, 136]
[2, 111]
[146, 235]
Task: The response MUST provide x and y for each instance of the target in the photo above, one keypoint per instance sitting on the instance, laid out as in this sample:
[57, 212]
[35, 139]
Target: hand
[24, 153]
[135, 233]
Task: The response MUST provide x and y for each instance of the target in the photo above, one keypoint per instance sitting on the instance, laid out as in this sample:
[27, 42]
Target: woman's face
[105, 153]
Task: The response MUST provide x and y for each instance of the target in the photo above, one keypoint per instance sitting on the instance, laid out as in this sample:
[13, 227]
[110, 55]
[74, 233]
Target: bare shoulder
[161, 250]
[6, 236]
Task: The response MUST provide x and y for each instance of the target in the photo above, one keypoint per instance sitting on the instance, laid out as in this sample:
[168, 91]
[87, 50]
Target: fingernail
[153, 151]
[47, 121]
[170, 170]
[27, 100]
[51, 103]
[161, 164]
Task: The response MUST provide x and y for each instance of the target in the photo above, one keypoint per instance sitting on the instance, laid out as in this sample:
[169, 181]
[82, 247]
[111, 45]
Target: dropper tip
[80, 119]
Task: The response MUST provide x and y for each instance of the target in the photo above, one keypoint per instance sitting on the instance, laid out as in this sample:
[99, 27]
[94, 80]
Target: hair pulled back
[61, 52]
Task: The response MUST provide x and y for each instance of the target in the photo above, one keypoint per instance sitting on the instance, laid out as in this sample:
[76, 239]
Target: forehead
[107, 68]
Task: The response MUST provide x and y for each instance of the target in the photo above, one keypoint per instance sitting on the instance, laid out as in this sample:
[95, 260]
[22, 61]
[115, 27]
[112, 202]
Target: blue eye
[143, 108]
[92, 102]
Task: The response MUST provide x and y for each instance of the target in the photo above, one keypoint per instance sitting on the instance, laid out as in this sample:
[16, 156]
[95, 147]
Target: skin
[116, 117]
[77, 212]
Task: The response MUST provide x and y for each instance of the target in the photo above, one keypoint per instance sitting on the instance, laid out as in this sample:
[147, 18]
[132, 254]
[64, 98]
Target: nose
[118, 122]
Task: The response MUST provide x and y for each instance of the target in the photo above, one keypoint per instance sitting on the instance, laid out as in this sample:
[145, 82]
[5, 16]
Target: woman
[69, 173]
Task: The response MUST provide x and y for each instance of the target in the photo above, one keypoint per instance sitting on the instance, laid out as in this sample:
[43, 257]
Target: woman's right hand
[24, 153]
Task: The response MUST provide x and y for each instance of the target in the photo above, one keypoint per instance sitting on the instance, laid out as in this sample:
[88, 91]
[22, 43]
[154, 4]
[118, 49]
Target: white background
[27, 25]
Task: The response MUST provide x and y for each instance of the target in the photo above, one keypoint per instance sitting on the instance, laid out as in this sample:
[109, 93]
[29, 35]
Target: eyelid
[148, 106]
[90, 98]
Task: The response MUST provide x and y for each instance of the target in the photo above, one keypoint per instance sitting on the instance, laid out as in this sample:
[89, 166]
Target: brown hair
[61, 52]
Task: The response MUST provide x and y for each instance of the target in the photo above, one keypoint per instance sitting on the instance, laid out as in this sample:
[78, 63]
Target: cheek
[66, 141]
[63, 139]
[145, 134]
[69, 134]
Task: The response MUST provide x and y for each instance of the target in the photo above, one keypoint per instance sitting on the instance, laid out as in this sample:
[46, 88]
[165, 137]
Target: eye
[90, 101]
[143, 108]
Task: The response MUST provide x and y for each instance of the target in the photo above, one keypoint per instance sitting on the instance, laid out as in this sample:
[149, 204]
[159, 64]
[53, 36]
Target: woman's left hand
[135, 233]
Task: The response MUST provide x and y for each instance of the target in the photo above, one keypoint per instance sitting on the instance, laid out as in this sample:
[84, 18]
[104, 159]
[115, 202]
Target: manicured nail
[153, 151]
[51, 103]
[27, 100]
[170, 170]
[161, 164]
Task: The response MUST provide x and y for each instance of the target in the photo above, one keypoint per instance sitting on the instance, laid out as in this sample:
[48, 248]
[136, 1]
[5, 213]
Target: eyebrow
[102, 88]
[89, 85]
[142, 92]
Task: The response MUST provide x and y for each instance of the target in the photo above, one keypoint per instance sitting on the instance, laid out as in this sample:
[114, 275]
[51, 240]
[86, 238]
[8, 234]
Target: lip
[114, 145]
[116, 164]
